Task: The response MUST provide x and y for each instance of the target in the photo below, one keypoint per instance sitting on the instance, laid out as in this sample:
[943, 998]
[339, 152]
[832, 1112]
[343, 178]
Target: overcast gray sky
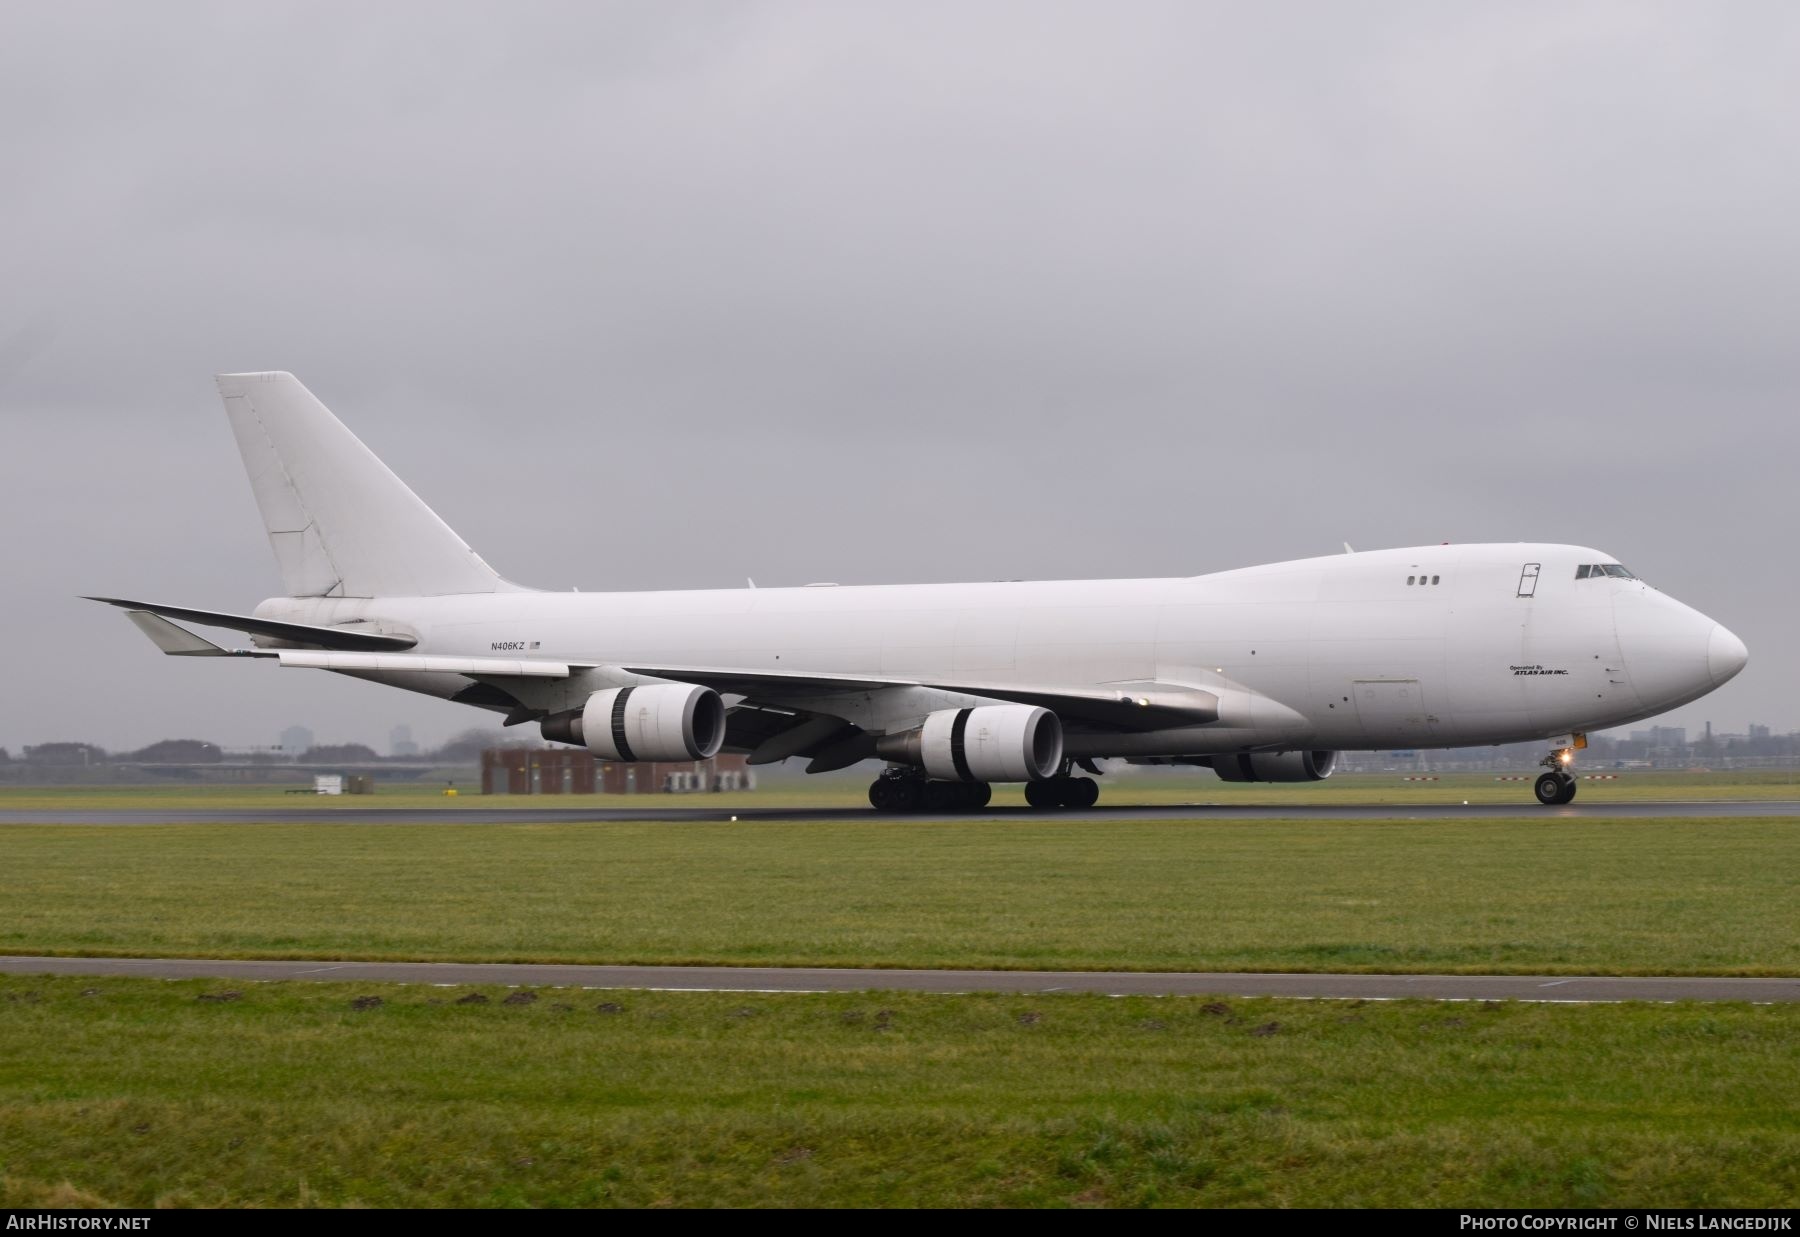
[664, 295]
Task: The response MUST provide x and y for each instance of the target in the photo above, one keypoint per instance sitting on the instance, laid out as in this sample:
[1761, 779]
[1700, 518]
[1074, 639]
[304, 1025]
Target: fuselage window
[1434, 579]
[1409, 579]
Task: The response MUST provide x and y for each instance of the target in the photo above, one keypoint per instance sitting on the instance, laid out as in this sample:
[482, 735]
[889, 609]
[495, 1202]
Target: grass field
[134, 1092]
[138, 1092]
[1536, 894]
[1130, 788]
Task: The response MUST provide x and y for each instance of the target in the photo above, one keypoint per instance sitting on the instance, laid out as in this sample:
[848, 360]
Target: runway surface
[807, 979]
[447, 815]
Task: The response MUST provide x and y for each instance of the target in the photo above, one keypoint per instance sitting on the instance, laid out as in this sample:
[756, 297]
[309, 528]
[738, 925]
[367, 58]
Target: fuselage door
[1528, 580]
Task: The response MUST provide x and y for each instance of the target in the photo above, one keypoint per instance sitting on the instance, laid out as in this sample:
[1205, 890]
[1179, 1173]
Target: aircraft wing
[1134, 705]
[1125, 705]
[1129, 705]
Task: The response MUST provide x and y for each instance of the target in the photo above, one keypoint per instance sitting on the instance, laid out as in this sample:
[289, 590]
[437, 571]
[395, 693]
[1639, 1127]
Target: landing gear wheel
[891, 793]
[1557, 787]
[1081, 792]
[884, 794]
[1044, 794]
[1554, 789]
[908, 792]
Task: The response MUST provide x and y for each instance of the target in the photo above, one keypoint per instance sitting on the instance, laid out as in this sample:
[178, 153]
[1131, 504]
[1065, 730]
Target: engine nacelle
[1275, 766]
[661, 721]
[992, 743]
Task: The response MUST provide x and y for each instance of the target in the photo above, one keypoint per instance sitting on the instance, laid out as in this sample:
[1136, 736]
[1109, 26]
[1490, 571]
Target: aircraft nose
[1725, 654]
[1675, 653]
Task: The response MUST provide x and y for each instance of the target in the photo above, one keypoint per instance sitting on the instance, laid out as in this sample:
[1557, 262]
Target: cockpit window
[1595, 571]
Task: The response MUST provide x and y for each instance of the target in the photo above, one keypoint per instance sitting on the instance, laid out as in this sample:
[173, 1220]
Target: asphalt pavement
[373, 813]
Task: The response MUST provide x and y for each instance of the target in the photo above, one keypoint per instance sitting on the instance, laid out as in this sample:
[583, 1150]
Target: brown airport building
[572, 771]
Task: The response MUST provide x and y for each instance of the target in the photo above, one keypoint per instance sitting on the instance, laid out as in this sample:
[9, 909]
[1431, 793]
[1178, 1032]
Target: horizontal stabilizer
[298, 633]
[173, 640]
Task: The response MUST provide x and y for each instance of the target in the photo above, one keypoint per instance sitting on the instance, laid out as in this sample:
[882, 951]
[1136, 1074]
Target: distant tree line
[463, 748]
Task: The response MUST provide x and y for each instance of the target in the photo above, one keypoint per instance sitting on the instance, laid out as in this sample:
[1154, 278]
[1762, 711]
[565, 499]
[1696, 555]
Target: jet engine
[1275, 766]
[992, 743]
[661, 721]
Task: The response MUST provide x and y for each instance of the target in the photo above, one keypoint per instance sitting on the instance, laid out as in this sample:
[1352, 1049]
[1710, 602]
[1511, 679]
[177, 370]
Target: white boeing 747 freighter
[1262, 673]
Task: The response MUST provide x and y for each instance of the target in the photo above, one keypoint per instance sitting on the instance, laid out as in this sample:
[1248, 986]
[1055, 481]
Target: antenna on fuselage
[1347, 548]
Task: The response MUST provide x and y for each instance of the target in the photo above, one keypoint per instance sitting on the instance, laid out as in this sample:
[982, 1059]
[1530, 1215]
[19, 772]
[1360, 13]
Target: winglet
[174, 640]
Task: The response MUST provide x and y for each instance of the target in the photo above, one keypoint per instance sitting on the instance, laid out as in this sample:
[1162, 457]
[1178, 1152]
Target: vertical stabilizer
[341, 523]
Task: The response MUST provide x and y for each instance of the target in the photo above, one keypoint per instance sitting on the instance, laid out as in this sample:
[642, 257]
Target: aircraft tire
[1044, 794]
[895, 794]
[1550, 787]
[976, 795]
[1568, 790]
[1082, 792]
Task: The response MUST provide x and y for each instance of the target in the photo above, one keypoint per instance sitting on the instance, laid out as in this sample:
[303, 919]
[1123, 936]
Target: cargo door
[1392, 712]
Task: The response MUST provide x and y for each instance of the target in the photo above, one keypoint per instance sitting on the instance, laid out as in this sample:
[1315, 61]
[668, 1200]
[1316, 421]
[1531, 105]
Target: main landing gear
[905, 790]
[1065, 789]
[902, 789]
[1556, 787]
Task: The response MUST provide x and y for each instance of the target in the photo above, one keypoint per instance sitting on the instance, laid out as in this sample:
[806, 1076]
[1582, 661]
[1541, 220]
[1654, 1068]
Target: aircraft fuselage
[1434, 646]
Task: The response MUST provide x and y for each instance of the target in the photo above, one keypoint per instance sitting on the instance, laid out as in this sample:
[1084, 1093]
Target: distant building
[571, 771]
[400, 741]
[1758, 732]
[296, 739]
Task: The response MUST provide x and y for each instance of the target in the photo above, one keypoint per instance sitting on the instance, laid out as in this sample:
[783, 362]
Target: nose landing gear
[1556, 787]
